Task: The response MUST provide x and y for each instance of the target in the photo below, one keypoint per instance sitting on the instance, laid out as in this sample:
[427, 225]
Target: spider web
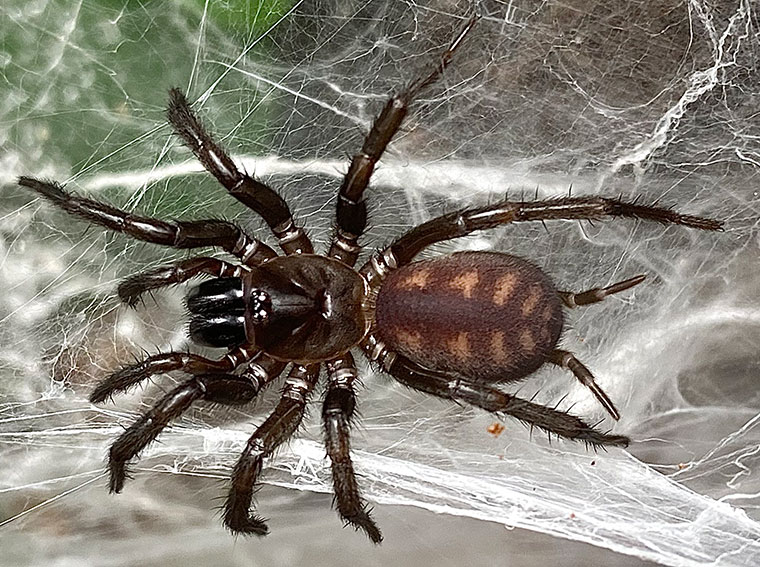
[655, 100]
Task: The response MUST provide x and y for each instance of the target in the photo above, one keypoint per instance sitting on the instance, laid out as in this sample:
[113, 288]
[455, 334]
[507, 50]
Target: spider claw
[239, 521]
[362, 520]
[250, 525]
[118, 476]
[602, 440]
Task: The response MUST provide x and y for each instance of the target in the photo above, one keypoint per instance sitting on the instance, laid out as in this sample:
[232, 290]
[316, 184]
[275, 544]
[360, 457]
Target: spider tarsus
[177, 111]
[48, 189]
[189, 128]
[701, 223]
[252, 525]
[119, 381]
[129, 292]
[597, 439]
[363, 521]
[99, 397]
[239, 521]
[118, 475]
[100, 394]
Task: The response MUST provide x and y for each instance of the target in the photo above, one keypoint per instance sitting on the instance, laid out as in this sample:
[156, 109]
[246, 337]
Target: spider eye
[260, 306]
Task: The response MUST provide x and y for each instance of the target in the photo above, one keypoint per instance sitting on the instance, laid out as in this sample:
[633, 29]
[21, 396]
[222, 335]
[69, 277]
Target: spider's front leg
[351, 208]
[278, 428]
[227, 389]
[337, 413]
[133, 287]
[446, 386]
[177, 234]
[129, 376]
[256, 195]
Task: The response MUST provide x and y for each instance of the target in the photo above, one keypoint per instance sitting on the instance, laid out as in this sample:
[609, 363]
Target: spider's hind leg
[568, 361]
[552, 421]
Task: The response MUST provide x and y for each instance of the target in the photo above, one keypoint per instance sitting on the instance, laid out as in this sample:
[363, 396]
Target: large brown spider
[457, 326]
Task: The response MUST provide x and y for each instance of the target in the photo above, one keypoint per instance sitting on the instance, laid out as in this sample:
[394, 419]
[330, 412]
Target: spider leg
[568, 361]
[278, 427]
[465, 221]
[484, 396]
[134, 286]
[129, 376]
[351, 209]
[254, 194]
[225, 389]
[177, 234]
[571, 299]
[337, 411]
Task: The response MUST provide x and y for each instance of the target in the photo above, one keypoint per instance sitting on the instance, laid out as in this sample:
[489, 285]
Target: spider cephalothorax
[302, 308]
[456, 327]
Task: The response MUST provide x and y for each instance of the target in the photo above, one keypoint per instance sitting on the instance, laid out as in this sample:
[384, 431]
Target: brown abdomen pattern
[485, 315]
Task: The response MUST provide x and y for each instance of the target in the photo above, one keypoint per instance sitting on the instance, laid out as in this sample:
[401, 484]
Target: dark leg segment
[490, 399]
[225, 389]
[178, 234]
[277, 428]
[462, 223]
[351, 209]
[571, 299]
[133, 287]
[125, 378]
[254, 194]
[337, 412]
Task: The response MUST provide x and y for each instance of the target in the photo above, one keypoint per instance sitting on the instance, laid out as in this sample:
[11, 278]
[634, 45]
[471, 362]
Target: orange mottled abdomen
[485, 315]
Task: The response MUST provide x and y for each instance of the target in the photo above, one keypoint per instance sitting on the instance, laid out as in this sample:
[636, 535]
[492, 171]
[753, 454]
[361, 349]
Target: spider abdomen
[484, 315]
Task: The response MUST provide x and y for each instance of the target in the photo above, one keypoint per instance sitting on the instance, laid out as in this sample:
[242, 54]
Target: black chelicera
[457, 327]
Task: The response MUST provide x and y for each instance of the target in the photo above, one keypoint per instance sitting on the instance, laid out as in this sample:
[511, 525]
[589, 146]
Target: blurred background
[648, 100]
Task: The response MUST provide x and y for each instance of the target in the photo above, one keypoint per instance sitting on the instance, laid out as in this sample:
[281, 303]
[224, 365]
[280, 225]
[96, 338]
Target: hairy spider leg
[134, 286]
[227, 389]
[254, 194]
[351, 208]
[465, 221]
[177, 234]
[451, 387]
[337, 413]
[121, 380]
[281, 424]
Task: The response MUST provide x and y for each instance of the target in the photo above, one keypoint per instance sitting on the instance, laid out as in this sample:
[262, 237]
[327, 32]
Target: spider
[457, 327]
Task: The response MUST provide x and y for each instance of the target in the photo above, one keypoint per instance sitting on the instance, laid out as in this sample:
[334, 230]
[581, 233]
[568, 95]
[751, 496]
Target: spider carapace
[457, 327]
[302, 308]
